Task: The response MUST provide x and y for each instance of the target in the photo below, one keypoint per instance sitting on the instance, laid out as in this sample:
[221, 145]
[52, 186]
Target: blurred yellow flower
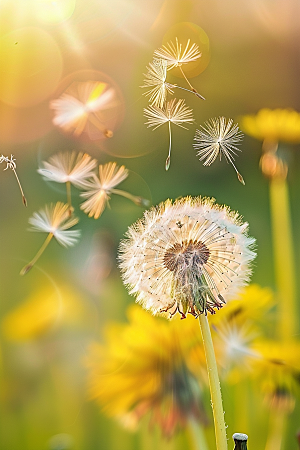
[273, 125]
[142, 368]
[279, 367]
[238, 329]
[43, 310]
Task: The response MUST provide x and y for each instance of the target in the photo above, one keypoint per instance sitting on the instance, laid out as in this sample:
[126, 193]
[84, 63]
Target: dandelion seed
[175, 112]
[176, 55]
[55, 220]
[156, 77]
[218, 137]
[192, 268]
[11, 164]
[70, 168]
[82, 103]
[98, 190]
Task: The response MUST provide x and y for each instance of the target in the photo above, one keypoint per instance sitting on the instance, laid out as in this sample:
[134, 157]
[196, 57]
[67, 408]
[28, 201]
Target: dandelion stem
[22, 193]
[214, 384]
[168, 160]
[283, 256]
[98, 124]
[39, 253]
[140, 201]
[192, 88]
[277, 426]
[197, 433]
[69, 197]
[187, 90]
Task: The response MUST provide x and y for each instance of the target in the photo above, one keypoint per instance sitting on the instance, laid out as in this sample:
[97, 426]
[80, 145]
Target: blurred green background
[254, 63]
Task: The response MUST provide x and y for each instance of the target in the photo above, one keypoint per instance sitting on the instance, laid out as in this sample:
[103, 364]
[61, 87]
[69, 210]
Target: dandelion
[176, 55]
[81, 104]
[55, 220]
[11, 164]
[218, 137]
[70, 168]
[98, 190]
[188, 257]
[156, 79]
[143, 368]
[175, 112]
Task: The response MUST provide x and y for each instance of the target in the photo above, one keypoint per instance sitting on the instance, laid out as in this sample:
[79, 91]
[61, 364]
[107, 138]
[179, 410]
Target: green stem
[198, 435]
[278, 420]
[168, 160]
[139, 201]
[214, 384]
[283, 256]
[39, 253]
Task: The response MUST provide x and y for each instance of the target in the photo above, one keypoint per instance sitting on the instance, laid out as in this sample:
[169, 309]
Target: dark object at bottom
[240, 441]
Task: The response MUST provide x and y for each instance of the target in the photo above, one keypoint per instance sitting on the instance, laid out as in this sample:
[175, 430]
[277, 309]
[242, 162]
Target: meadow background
[254, 51]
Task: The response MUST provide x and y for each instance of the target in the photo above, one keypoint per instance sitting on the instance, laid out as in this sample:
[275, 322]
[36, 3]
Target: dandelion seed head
[188, 256]
[176, 54]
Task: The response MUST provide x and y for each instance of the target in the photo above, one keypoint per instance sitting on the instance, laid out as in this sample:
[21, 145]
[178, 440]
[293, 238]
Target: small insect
[179, 224]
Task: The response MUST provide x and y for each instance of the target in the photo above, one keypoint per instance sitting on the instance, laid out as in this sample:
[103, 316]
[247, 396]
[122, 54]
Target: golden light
[31, 66]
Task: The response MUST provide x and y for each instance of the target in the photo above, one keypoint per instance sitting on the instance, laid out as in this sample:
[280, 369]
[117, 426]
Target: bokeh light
[31, 66]
[52, 11]
[185, 31]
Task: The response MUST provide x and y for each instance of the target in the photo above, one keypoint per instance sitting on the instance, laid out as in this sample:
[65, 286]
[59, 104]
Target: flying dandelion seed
[191, 268]
[218, 137]
[11, 164]
[70, 168]
[176, 55]
[98, 190]
[56, 221]
[82, 104]
[156, 79]
[175, 112]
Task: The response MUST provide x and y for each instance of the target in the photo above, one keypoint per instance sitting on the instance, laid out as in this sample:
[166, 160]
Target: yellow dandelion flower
[97, 191]
[142, 369]
[43, 310]
[273, 125]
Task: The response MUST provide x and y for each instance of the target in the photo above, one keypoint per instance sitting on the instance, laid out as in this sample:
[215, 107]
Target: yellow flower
[238, 329]
[142, 368]
[279, 367]
[43, 310]
[273, 125]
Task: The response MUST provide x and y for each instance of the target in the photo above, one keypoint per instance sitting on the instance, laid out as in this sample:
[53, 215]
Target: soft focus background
[253, 56]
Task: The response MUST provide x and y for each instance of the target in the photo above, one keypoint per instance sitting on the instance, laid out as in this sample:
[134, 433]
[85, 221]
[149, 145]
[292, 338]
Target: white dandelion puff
[11, 164]
[54, 219]
[176, 55]
[70, 168]
[188, 256]
[81, 103]
[216, 137]
[98, 190]
[175, 112]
